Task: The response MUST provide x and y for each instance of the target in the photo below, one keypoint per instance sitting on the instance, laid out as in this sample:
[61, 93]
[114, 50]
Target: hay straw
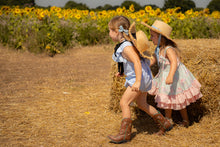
[203, 62]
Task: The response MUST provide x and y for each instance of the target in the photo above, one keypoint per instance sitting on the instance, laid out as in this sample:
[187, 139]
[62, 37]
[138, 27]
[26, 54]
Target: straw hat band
[155, 27]
[166, 31]
[160, 27]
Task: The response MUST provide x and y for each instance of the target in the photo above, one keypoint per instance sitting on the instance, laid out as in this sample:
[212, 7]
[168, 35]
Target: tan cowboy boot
[124, 133]
[164, 124]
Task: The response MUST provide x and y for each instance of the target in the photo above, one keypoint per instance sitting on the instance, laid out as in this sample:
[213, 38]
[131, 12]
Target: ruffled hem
[179, 101]
[176, 106]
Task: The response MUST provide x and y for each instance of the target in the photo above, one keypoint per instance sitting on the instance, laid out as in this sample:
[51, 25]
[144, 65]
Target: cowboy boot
[164, 124]
[124, 132]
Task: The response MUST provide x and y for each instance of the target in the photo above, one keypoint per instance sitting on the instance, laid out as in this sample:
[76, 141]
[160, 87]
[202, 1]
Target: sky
[96, 3]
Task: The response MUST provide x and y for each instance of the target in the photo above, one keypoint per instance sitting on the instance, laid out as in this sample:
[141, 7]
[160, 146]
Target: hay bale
[205, 67]
[117, 89]
[203, 62]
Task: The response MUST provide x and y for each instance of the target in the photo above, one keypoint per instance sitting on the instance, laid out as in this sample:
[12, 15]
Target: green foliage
[153, 6]
[93, 32]
[5, 32]
[106, 7]
[53, 32]
[198, 27]
[72, 4]
[55, 35]
[89, 34]
[214, 5]
[50, 34]
[15, 2]
[127, 4]
[183, 4]
[190, 28]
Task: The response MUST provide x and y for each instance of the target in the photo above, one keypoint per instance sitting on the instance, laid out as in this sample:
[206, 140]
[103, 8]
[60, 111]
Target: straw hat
[161, 28]
[140, 41]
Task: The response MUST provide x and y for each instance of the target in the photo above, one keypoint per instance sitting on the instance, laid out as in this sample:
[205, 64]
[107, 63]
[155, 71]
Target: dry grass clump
[202, 58]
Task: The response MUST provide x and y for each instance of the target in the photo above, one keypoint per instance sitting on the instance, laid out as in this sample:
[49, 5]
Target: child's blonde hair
[118, 21]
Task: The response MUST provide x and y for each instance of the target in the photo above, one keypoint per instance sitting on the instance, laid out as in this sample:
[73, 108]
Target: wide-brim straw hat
[161, 28]
[140, 41]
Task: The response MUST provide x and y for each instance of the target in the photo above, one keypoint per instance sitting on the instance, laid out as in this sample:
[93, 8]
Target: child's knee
[124, 103]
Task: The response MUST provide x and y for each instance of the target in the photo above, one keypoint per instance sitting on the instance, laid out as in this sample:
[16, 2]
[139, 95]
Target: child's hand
[135, 86]
[119, 75]
[169, 80]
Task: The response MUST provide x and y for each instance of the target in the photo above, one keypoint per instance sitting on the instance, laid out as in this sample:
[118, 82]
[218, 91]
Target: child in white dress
[175, 86]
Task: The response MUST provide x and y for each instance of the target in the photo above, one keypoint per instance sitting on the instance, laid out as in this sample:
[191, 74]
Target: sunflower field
[55, 29]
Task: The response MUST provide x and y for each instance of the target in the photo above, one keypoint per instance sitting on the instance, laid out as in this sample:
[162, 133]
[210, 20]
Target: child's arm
[130, 53]
[171, 54]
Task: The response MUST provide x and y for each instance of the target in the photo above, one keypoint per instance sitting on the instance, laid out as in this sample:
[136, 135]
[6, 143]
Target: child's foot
[185, 124]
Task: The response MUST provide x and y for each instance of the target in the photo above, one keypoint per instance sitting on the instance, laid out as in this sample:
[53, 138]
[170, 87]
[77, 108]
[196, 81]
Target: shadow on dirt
[144, 123]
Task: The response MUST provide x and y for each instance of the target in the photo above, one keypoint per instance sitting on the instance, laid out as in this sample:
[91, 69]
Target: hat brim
[146, 54]
[133, 37]
[155, 30]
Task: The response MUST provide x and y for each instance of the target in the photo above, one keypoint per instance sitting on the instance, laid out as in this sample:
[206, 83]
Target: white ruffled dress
[184, 90]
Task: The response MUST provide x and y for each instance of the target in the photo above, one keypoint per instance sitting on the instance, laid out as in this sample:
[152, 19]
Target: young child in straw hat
[174, 86]
[138, 75]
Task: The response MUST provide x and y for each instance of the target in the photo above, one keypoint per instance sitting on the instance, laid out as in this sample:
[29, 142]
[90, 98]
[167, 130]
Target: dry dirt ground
[64, 100]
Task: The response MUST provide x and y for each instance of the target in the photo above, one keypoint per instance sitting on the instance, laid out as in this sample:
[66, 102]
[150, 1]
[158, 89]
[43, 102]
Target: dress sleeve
[117, 57]
[165, 51]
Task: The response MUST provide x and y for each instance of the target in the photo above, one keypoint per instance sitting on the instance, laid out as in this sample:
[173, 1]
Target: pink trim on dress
[179, 101]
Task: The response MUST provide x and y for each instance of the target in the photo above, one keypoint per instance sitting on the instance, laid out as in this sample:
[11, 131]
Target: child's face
[114, 35]
[154, 37]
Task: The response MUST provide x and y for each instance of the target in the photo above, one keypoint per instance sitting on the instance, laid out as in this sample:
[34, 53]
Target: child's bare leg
[168, 113]
[184, 114]
[143, 105]
[163, 123]
[124, 134]
[126, 99]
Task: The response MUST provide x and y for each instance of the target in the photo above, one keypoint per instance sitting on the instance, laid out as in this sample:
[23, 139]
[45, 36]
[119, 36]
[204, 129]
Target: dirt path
[63, 101]
[54, 101]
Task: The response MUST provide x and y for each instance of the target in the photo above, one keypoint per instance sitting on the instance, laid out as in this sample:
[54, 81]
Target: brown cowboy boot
[164, 124]
[124, 133]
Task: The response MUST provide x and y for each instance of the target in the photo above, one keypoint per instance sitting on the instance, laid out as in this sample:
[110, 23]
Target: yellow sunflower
[148, 8]
[119, 10]
[78, 16]
[131, 8]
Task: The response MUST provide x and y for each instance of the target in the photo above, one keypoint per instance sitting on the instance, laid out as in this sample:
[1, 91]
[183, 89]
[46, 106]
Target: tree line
[185, 5]
[17, 2]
